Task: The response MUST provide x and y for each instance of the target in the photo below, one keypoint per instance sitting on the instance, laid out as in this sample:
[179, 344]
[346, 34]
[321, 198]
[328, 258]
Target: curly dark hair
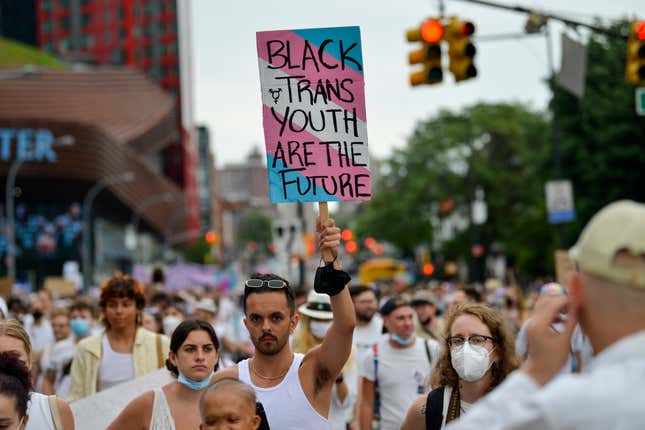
[121, 286]
[15, 380]
[444, 374]
[181, 333]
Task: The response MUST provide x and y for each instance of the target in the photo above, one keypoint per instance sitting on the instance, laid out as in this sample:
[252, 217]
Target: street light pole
[87, 216]
[65, 140]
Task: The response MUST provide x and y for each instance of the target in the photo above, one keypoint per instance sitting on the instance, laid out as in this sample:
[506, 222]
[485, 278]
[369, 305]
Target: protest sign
[313, 102]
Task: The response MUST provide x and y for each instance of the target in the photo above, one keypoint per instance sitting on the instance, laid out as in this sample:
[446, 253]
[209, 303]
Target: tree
[254, 227]
[505, 149]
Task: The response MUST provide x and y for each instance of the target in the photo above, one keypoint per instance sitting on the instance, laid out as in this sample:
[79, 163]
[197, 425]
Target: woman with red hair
[125, 350]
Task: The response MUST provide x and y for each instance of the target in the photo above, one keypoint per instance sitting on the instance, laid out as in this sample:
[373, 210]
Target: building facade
[150, 35]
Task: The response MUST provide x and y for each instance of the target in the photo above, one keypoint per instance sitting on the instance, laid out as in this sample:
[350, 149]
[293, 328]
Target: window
[48, 26]
[117, 56]
[64, 4]
[46, 5]
[122, 34]
[63, 45]
[85, 2]
[121, 13]
[108, 37]
[86, 20]
[65, 23]
[136, 32]
[49, 46]
[108, 16]
[88, 41]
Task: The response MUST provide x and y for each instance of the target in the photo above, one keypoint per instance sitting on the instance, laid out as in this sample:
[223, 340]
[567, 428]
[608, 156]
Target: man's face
[400, 322]
[365, 306]
[425, 312]
[60, 326]
[268, 321]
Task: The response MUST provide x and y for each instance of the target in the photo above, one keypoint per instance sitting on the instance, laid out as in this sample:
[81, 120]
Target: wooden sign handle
[323, 211]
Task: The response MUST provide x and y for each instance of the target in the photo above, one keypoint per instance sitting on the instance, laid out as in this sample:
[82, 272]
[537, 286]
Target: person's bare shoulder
[416, 416]
[227, 372]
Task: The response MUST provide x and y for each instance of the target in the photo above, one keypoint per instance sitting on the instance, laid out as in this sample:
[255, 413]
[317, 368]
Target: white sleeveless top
[464, 406]
[115, 367]
[286, 405]
[40, 416]
[161, 418]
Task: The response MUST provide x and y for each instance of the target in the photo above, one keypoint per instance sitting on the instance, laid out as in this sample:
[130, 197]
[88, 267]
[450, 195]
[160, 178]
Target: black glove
[329, 280]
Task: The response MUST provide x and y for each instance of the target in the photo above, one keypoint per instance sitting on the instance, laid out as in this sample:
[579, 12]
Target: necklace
[268, 378]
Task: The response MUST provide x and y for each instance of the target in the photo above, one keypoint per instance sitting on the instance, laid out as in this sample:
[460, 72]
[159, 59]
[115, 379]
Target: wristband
[329, 280]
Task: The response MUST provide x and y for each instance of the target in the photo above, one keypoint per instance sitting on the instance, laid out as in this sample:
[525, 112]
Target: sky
[226, 79]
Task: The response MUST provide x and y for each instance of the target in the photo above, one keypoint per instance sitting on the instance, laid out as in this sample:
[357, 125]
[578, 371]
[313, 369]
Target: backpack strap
[53, 408]
[428, 354]
[377, 395]
[434, 409]
[160, 360]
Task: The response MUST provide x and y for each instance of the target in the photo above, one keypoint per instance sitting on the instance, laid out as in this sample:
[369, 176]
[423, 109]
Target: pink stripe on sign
[296, 53]
[320, 153]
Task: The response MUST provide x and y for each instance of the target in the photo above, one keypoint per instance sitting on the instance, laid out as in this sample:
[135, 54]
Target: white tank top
[40, 416]
[161, 418]
[115, 367]
[286, 405]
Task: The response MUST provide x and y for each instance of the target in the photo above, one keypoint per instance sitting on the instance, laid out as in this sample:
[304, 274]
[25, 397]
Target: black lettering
[321, 52]
[356, 154]
[332, 89]
[344, 57]
[308, 55]
[322, 120]
[351, 120]
[333, 113]
[288, 79]
[307, 153]
[358, 185]
[282, 122]
[328, 151]
[278, 155]
[283, 174]
[346, 184]
[292, 125]
[276, 53]
[350, 99]
[304, 86]
[293, 152]
[333, 180]
[320, 91]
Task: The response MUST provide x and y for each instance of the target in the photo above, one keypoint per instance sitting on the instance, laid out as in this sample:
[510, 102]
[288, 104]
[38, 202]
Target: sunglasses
[259, 283]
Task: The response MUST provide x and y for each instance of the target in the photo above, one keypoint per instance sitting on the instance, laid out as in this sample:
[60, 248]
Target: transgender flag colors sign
[313, 101]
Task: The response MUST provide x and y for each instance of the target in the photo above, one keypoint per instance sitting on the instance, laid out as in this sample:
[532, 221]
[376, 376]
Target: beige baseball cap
[619, 226]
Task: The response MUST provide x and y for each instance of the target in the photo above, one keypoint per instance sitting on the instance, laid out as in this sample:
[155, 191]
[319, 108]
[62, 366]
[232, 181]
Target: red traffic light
[370, 242]
[211, 237]
[640, 30]
[428, 269]
[346, 235]
[351, 247]
[431, 31]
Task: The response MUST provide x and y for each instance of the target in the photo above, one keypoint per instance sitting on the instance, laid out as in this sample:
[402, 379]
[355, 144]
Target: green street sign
[640, 101]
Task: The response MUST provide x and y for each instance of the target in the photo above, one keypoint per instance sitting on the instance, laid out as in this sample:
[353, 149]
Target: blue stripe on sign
[349, 36]
[276, 192]
[561, 217]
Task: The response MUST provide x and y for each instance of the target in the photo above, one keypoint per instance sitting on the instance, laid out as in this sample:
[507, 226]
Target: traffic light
[635, 67]
[429, 34]
[461, 50]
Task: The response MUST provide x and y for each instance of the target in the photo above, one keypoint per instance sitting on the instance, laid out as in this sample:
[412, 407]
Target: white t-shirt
[402, 376]
[366, 336]
[577, 340]
[41, 334]
[115, 367]
[58, 357]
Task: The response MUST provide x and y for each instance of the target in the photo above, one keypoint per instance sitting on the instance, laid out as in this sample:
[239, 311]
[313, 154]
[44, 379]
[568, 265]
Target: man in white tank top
[295, 389]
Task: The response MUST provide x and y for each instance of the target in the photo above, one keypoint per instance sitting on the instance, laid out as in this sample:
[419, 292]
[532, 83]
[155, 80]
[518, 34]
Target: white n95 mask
[319, 328]
[470, 362]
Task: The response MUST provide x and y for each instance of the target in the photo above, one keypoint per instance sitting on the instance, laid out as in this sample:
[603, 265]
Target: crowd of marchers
[343, 355]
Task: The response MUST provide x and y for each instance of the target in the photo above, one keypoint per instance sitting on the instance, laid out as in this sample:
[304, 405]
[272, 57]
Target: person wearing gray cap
[607, 298]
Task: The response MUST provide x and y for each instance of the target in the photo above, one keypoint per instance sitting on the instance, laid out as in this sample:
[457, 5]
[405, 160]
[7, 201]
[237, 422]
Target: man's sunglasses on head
[259, 283]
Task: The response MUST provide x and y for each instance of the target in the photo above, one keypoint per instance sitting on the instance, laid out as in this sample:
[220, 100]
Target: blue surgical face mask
[194, 385]
[400, 340]
[80, 327]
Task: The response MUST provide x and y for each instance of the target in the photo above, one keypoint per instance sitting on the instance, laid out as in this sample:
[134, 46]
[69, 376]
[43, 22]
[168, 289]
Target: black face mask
[37, 314]
[329, 280]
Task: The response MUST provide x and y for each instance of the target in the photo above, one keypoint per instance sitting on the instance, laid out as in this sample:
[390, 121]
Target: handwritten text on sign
[315, 129]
